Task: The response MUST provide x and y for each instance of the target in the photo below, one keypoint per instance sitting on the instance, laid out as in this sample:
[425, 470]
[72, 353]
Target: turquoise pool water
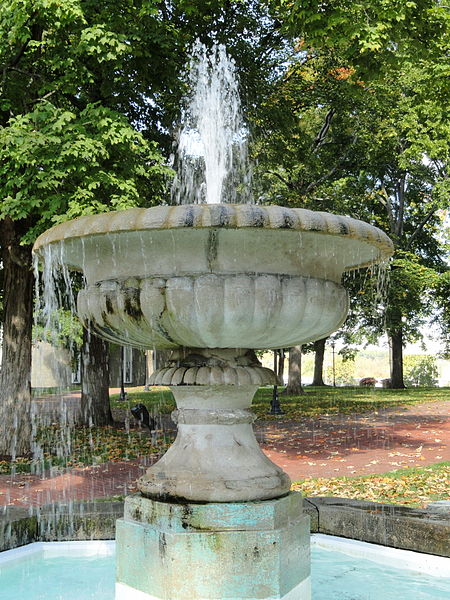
[64, 578]
[335, 576]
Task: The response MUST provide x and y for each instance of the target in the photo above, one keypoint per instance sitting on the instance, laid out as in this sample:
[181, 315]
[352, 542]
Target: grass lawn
[411, 487]
[315, 402]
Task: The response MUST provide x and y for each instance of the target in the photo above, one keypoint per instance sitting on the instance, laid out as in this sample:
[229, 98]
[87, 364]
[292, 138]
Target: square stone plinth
[233, 551]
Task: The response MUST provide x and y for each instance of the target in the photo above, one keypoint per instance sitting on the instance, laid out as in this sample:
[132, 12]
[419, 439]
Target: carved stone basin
[215, 276]
[214, 282]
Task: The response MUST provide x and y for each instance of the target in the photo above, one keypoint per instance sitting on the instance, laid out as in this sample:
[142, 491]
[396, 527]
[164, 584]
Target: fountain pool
[52, 571]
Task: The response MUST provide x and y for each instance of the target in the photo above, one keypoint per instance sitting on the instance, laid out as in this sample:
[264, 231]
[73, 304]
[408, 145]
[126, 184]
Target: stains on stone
[189, 217]
[109, 304]
[132, 303]
[136, 514]
[343, 229]
[256, 553]
[224, 216]
[257, 216]
[157, 325]
[186, 517]
[212, 248]
[162, 545]
[287, 221]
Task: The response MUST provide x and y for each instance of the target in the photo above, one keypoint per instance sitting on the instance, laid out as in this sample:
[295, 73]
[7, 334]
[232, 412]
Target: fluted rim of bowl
[226, 216]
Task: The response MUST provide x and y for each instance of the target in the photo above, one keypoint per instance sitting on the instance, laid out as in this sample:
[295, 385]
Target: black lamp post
[123, 394]
[275, 408]
[333, 346]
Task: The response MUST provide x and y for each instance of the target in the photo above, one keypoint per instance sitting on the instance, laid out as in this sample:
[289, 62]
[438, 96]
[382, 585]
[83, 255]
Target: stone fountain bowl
[213, 282]
[214, 276]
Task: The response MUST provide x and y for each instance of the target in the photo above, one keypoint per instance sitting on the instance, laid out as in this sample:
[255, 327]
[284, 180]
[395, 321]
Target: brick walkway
[377, 442]
[340, 445]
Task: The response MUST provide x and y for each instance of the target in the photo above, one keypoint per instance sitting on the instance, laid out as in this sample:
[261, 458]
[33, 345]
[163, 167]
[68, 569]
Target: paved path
[332, 446]
[376, 442]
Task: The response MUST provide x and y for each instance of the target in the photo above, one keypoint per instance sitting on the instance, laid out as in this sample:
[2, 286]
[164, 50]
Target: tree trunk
[396, 348]
[15, 373]
[294, 387]
[319, 349]
[95, 407]
[281, 366]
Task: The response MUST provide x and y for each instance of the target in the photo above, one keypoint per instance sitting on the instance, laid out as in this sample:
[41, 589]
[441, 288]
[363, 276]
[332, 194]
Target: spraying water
[212, 158]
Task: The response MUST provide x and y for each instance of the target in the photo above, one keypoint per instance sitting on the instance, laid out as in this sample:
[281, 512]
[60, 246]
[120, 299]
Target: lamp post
[275, 408]
[123, 394]
[333, 346]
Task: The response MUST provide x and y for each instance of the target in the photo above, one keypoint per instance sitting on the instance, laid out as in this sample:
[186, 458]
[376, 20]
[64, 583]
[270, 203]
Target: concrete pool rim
[426, 531]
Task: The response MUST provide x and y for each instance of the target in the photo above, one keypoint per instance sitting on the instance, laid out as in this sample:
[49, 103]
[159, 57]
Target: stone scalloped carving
[213, 376]
[210, 311]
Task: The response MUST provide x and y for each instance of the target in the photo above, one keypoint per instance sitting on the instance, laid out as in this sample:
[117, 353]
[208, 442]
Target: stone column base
[214, 551]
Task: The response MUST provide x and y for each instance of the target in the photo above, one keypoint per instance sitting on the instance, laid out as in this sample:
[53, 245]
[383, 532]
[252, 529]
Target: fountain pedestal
[235, 551]
[215, 457]
[215, 519]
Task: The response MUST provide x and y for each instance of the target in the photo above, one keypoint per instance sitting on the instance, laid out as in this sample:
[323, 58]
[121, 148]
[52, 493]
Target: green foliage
[368, 33]
[65, 330]
[90, 88]
[315, 402]
[357, 125]
[443, 301]
[420, 370]
[410, 293]
[85, 446]
[343, 373]
[55, 164]
[67, 142]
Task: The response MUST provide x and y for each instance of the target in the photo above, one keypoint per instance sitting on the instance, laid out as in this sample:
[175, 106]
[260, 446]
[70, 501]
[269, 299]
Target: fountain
[213, 282]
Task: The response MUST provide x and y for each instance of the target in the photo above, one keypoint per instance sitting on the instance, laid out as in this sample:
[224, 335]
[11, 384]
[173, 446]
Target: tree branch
[332, 171]
[420, 227]
[320, 138]
[398, 229]
[286, 182]
[388, 205]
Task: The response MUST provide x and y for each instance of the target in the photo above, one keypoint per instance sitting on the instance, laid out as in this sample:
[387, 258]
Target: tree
[319, 349]
[369, 35]
[65, 149]
[87, 91]
[442, 318]
[15, 384]
[343, 372]
[421, 370]
[369, 139]
[294, 387]
[95, 407]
